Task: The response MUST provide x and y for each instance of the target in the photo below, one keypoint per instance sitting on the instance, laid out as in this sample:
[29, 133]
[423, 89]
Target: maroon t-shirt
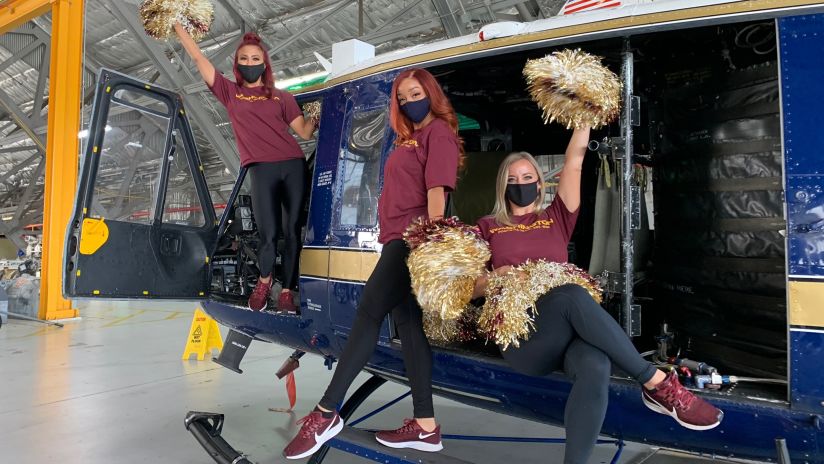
[428, 160]
[261, 124]
[532, 236]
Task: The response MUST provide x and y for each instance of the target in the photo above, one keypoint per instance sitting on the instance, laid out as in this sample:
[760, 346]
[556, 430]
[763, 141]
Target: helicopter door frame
[630, 316]
[150, 249]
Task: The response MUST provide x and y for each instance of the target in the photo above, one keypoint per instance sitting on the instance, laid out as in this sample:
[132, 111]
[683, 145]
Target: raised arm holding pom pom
[204, 66]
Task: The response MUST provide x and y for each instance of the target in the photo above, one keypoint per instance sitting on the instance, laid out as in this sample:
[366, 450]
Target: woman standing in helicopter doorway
[261, 116]
[418, 173]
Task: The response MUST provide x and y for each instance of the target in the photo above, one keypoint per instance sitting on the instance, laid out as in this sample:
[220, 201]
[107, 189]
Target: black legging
[388, 289]
[574, 332]
[278, 185]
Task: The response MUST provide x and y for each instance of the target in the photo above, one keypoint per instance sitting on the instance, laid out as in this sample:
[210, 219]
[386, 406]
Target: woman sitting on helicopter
[418, 173]
[572, 331]
[261, 116]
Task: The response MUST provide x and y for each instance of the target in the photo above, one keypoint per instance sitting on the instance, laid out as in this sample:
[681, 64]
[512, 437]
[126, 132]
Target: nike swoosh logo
[317, 437]
[422, 436]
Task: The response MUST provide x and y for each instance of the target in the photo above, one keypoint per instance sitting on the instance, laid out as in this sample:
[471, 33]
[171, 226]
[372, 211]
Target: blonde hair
[502, 212]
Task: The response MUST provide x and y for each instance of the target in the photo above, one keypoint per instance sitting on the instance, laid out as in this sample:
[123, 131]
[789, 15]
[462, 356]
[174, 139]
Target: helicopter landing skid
[361, 442]
[206, 428]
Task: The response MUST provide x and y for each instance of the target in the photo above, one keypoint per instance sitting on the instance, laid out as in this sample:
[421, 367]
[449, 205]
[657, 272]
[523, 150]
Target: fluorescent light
[281, 84]
[83, 134]
[8, 218]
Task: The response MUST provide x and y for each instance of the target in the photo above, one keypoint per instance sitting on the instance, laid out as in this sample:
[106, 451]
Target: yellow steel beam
[65, 86]
[14, 13]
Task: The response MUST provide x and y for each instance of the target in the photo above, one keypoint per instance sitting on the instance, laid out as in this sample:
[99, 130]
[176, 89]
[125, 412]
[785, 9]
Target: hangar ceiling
[292, 29]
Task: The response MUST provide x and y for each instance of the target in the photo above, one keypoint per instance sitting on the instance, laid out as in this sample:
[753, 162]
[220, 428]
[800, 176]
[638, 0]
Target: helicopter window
[182, 204]
[141, 100]
[361, 168]
[128, 175]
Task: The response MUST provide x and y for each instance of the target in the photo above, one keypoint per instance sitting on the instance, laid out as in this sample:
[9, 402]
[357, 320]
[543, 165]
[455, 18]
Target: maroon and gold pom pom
[312, 110]
[445, 259]
[574, 88]
[160, 16]
[508, 315]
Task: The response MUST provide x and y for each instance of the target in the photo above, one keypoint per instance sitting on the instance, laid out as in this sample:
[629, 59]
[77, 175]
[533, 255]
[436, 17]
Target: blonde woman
[572, 331]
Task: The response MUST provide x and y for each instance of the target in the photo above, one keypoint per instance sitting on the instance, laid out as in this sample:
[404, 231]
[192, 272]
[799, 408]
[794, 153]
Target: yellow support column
[65, 87]
[14, 13]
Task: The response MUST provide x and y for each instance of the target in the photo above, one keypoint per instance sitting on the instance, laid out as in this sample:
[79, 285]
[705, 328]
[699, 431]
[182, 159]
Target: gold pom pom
[508, 315]
[160, 16]
[574, 88]
[312, 110]
[445, 259]
[442, 332]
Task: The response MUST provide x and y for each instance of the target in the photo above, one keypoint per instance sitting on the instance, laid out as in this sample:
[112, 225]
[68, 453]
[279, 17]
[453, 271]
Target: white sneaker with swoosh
[411, 435]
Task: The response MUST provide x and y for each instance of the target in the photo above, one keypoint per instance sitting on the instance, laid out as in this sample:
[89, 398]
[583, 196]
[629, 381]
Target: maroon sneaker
[671, 398]
[314, 432]
[286, 302]
[411, 435]
[260, 296]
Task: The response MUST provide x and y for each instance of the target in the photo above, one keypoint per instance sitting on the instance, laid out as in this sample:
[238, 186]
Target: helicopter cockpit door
[143, 225]
[354, 229]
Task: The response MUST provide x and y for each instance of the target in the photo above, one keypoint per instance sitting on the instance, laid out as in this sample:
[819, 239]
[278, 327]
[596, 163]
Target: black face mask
[522, 194]
[416, 111]
[251, 73]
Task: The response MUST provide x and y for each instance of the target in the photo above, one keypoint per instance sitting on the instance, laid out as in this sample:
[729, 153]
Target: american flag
[576, 6]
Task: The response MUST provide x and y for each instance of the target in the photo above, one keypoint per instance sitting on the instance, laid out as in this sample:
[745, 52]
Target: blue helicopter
[711, 252]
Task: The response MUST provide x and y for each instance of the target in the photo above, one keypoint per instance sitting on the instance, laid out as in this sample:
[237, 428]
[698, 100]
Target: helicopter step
[233, 351]
[362, 443]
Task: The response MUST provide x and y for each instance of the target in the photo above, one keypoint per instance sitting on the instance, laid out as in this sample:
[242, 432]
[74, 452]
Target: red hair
[250, 38]
[439, 105]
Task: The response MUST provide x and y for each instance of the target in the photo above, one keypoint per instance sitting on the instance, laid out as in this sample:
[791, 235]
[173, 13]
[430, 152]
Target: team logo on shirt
[254, 98]
[540, 224]
[411, 143]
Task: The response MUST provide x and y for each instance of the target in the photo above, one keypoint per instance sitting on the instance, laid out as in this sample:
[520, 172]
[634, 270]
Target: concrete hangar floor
[119, 393]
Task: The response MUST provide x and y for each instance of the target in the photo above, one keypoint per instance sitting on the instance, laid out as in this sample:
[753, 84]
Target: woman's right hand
[482, 281]
[480, 286]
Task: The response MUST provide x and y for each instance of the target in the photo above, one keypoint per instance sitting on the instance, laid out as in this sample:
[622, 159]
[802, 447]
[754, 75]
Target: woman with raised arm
[572, 332]
[261, 116]
[420, 170]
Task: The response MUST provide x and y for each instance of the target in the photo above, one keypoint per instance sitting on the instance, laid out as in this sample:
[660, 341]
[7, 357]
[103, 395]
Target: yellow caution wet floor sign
[204, 336]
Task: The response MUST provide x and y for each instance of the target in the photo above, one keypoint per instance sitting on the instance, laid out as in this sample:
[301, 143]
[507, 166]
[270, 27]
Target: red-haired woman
[261, 116]
[418, 173]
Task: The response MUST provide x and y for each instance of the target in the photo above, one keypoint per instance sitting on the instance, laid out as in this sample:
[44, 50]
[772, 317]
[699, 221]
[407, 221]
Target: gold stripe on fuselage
[804, 298]
[352, 265]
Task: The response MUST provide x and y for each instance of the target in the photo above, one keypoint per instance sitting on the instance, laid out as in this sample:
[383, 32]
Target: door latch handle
[170, 244]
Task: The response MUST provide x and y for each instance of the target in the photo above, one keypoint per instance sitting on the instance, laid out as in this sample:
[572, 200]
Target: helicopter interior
[710, 253]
